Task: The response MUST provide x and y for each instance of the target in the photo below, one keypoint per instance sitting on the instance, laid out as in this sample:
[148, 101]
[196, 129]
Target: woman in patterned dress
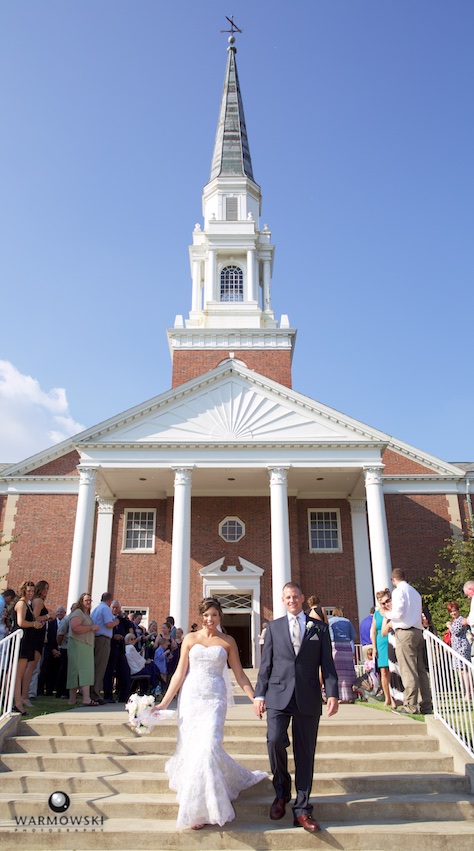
[458, 627]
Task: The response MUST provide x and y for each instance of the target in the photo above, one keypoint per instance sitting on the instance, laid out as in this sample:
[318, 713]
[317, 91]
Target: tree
[456, 566]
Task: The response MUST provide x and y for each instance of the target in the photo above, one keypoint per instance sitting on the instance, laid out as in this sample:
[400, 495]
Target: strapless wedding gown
[205, 777]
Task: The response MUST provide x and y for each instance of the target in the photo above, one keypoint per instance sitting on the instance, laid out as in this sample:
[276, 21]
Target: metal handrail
[452, 690]
[9, 652]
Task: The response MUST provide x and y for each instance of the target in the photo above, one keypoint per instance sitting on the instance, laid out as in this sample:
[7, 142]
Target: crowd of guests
[98, 652]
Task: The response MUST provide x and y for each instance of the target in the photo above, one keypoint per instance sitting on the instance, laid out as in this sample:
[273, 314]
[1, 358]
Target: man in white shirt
[406, 622]
[469, 592]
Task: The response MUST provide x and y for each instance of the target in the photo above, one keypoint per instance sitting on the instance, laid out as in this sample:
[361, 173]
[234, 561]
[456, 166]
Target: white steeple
[231, 258]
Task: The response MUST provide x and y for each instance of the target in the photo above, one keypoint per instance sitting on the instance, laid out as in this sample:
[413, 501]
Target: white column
[267, 298]
[378, 532]
[250, 295]
[181, 548]
[210, 280]
[82, 543]
[103, 542]
[363, 571]
[196, 284]
[280, 531]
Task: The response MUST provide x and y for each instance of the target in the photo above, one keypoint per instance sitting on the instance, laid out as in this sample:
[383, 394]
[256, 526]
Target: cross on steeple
[234, 28]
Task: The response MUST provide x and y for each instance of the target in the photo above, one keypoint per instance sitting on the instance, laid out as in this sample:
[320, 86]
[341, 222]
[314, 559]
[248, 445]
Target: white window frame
[128, 611]
[231, 265]
[149, 550]
[316, 550]
[237, 520]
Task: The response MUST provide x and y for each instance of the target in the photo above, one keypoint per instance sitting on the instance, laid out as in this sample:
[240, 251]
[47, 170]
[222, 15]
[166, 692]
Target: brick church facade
[232, 482]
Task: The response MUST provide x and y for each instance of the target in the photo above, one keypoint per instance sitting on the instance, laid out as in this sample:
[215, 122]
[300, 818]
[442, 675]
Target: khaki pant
[410, 643]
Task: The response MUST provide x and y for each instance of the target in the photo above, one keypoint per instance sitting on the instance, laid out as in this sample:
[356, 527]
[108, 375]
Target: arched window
[232, 284]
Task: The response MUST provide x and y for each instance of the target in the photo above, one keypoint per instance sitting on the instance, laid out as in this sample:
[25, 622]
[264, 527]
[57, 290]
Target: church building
[232, 482]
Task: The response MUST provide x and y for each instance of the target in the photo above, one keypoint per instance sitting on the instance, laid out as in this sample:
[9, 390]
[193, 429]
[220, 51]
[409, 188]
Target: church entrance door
[239, 627]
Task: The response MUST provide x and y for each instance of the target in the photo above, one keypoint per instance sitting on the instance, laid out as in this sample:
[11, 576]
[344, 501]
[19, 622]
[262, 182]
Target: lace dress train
[204, 776]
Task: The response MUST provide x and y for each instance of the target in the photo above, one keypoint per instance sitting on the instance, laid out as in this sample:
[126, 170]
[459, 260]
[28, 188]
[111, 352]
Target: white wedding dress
[205, 777]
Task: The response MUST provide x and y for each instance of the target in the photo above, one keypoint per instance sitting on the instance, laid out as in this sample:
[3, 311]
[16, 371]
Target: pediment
[218, 569]
[235, 410]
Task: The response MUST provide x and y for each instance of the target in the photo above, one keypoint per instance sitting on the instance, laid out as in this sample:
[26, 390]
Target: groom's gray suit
[289, 684]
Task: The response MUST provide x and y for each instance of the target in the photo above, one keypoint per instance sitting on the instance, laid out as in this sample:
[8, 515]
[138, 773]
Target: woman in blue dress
[380, 642]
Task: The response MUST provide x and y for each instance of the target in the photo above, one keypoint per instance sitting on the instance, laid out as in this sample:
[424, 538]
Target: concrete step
[128, 834]
[140, 783]
[110, 727]
[330, 763]
[130, 744]
[250, 809]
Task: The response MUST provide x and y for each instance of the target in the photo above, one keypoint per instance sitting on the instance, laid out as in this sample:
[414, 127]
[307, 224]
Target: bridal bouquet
[142, 719]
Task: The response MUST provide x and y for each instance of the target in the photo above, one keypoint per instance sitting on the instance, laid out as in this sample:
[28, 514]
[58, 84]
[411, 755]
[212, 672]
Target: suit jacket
[52, 636]
[283, 674]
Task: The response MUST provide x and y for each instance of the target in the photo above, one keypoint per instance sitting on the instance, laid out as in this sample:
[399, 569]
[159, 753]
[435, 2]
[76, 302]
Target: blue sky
[360, 119]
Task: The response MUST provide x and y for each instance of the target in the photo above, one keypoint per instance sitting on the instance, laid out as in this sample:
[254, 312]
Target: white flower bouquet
[142, 719]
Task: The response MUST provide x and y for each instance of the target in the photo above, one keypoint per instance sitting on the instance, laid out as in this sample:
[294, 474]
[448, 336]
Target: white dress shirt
[406, 607]
[470, 617]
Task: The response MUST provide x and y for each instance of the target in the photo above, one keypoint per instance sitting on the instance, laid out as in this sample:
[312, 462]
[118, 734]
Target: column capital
[87, 475]
[105, 504]
[358, 506]
[182, 475]
[373, 475]
[278, 475]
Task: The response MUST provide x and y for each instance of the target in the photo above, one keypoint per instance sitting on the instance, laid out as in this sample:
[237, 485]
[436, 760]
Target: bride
[205, 777]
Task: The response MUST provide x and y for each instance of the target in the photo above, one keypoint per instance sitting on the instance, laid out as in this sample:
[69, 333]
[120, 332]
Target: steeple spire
[231, 149]
[231, 261]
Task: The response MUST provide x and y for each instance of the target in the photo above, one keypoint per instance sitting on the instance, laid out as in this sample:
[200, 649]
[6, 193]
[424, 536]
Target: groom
[295, 647]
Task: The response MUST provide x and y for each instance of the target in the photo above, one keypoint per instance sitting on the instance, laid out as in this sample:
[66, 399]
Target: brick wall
[400, 465]
[417, 528]
[331, 576]
[64, 466]
[142, 579]
[191, 364]
[44, 525]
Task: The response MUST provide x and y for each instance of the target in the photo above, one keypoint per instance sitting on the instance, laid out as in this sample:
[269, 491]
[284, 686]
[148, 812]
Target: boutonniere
[309, 626]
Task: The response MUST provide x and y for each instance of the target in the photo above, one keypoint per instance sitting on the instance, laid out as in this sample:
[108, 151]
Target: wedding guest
[137, 663]
[23, 618]
[380, 642]
[41, 615]
[80, 651]
[406, 621]
[458, 627]
[105, 621]
[117, 667]
[51, 655]
[316, 609]
[6, 599]
[343, 636]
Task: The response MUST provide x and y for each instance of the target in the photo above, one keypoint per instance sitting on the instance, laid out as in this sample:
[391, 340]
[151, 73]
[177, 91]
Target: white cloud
[31, 419]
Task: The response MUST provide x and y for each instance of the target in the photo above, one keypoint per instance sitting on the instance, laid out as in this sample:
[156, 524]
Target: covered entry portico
[231, 434]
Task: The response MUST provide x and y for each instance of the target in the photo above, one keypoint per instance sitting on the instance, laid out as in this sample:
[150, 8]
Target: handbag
[447, 637]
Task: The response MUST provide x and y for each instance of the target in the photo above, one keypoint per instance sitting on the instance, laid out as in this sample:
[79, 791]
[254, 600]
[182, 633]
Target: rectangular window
[324, 530]
[139, 531]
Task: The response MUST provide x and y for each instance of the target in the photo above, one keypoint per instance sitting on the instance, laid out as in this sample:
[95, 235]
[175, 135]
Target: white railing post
[9, 652]
[452, 690]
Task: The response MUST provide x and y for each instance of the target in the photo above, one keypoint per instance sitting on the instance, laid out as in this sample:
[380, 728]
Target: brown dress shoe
[278, 808]
[307, 822]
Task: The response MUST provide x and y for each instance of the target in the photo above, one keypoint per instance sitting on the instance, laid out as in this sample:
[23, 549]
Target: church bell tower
[231, 261]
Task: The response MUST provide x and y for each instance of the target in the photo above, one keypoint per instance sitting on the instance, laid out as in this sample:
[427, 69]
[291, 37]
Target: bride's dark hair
[210, 603]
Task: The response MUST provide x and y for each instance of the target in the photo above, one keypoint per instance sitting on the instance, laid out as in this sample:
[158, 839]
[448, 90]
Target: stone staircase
[379, 781]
